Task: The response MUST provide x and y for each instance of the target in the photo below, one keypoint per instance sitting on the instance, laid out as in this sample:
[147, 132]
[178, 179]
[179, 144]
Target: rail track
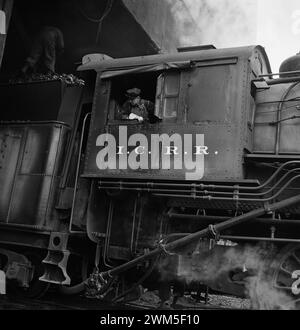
[57, 302]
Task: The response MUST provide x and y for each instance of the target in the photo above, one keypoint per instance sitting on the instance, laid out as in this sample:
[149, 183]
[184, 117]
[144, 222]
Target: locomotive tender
[85, 193]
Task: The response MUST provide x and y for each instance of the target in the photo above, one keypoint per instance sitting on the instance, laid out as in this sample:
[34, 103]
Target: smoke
[259, 286]
[224, 23]
[265, 297]
[250, 265]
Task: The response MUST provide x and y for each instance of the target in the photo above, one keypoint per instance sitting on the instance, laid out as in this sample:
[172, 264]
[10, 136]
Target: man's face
[136, 100]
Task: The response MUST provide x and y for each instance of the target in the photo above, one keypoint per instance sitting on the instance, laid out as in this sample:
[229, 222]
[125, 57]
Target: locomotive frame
[248, 193]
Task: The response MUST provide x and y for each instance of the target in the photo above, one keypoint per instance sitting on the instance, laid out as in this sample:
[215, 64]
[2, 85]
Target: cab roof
[192, 56]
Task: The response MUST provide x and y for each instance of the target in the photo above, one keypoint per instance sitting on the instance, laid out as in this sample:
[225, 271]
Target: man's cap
[133, 92]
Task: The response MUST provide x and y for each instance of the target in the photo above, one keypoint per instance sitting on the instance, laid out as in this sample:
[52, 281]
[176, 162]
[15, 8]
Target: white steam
[224, 23]
[211, 266]
[265, 297]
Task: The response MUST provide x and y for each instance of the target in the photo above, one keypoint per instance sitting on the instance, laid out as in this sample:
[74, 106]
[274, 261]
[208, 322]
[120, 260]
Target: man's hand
[133, 116]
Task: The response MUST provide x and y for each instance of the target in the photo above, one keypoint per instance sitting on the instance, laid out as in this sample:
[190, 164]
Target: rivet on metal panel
[236, 195]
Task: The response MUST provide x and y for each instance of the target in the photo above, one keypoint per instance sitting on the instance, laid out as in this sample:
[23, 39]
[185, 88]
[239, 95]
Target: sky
[274, 24]
[278, 29]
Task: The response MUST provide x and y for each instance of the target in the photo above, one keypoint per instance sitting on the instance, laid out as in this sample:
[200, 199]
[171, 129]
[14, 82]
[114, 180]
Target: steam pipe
[206, 192]
[243, 238]
[235, 199]
[133, 225]
[201, 186]
[213, 219]
[41, 229]
[74, 290]
[170, 190]
[108, 235]
[282, 81]
[193, 194]
[78, 288]
[279, 113]
[138, 227]
[279, 74]
[205, 232]
[260, 239]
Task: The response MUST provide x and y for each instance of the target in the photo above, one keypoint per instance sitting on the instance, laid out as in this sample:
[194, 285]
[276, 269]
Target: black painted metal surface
[30, 170]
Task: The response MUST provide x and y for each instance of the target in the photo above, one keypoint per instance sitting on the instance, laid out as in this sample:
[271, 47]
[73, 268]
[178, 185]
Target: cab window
[167, 96]
[145, 82]
[160, 89]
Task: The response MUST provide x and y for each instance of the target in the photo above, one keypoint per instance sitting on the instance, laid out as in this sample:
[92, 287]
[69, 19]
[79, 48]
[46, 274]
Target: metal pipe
[204, 186]
[133, 225]
[154, 190]
[34, 123]
[164, 184]
[197, 217]
[138, 227]
[279, 74]
[205, 232]
[260, 239]
[282, 81]
[77, 177]
[211, 198]
[212, 219]
[276, 184]
[108, 234]
[74, 290]
[279, 108]
[40, 229]
[206, 192]
[243, 238]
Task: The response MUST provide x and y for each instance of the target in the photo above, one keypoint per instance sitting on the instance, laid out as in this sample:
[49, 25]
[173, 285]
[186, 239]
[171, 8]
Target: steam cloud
[209, 267]
[224, 23]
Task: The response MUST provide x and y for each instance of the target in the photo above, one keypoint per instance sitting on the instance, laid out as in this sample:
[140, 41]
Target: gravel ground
[229, 302]
[151, 299]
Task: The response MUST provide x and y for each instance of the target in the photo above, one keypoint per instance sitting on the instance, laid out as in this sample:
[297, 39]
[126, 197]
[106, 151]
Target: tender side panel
[32, 163]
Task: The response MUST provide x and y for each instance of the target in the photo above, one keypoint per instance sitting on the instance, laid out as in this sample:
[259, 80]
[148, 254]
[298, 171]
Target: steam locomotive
[208, 196]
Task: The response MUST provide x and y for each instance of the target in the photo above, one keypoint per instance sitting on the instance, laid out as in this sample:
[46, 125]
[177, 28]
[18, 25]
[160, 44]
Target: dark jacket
[47, 45]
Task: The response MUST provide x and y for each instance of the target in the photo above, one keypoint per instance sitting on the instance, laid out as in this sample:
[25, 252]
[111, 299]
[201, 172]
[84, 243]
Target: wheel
[277, 286]
[37, 288]
[286, 277]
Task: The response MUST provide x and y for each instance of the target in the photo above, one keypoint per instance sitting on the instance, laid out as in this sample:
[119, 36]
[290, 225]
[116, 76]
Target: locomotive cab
[204, 94]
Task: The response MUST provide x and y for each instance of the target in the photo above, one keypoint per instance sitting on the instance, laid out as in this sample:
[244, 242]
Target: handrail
[77, 176]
